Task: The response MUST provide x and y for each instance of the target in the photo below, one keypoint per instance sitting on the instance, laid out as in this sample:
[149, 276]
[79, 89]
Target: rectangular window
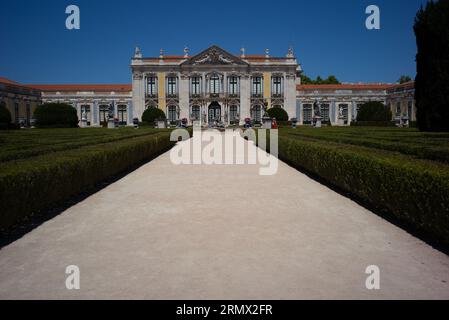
[398, 109]
[307, 114]
[171, 86]
[152, 86]
[122, 114]
[233, 86]
[28, 111]
[196, 86]
[325, 113]
[214, 82]
[16, 112]
[104, 113]
[257, 86]
[276, 86]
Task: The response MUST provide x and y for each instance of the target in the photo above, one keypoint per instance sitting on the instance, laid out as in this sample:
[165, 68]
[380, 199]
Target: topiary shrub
[374, 111]
[5, 115]
[150, 115]
[56, 115]
[278, 113]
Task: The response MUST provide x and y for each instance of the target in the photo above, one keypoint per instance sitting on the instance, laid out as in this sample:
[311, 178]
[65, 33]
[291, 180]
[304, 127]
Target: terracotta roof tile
[362, 86]
[82, 87]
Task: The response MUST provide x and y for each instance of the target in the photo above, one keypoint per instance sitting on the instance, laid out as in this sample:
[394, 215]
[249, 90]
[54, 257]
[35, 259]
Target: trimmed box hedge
[414, 191]
[38, 183]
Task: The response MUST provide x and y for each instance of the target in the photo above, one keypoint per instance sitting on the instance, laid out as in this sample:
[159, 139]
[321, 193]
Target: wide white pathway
[220, 232]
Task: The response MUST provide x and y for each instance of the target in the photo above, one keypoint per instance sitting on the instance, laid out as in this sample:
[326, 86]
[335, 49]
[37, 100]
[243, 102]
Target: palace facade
[216, 85]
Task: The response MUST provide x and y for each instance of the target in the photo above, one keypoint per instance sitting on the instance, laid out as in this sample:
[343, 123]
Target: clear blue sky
[329, 36]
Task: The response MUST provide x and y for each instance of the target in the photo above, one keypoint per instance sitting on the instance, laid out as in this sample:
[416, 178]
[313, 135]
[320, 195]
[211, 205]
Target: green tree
[432, 63]
[404, 79]
[56, 115]
[278, 113]
[305, 79]
[374, 111]
[5, 115]
[330, 80]
[151, 114]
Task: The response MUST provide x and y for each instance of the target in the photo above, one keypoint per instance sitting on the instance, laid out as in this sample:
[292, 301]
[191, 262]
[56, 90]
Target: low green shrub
[414, 191]
[150, 115]
[373, 124]
[30, 185]
[278, 113]
[5, 115]
[374, 111]
[56, 115]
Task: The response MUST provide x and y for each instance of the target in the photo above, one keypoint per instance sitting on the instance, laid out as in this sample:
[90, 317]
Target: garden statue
[83, 118]
[111, 122]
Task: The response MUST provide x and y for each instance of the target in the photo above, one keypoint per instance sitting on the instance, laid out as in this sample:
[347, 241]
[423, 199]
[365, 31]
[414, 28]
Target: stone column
[95, 114]
[138, 94]
[245, 98]
[350, 107]
[290, 96]
[333, 115]
[299, 114]
[184, 98]
[129, 111]
[354, 110]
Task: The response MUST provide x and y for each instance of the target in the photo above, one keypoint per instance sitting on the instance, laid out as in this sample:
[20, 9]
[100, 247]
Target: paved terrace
[220, 232]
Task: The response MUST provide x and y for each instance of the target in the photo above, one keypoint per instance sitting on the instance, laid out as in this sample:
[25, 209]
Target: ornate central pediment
[214, 56]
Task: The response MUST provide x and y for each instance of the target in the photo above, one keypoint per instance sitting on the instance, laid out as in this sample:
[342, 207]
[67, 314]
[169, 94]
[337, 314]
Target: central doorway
[214, 112]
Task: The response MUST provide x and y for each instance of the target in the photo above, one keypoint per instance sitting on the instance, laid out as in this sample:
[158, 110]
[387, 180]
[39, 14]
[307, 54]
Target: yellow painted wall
[161, 90]
[267, 87]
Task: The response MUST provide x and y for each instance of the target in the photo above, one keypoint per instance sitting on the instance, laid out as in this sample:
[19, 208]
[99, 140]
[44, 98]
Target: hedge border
[413, 191]
[40, 183]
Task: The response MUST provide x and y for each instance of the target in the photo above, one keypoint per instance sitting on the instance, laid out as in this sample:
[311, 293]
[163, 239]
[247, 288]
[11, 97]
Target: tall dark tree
[404, 79]
[432, 62]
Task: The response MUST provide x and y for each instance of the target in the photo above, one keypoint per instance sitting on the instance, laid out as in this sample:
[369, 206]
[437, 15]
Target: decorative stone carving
[215, 56]
[137, 76]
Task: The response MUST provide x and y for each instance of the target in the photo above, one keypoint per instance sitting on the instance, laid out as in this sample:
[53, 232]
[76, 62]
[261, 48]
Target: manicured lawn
[41, 168]
[402, 172]
[21, 144]
[432, 146]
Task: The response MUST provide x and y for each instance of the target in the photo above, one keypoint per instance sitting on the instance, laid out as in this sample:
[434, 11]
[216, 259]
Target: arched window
[256, 113]
[195, 113]
[172, 114]
[233, 111]
[214, 84]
